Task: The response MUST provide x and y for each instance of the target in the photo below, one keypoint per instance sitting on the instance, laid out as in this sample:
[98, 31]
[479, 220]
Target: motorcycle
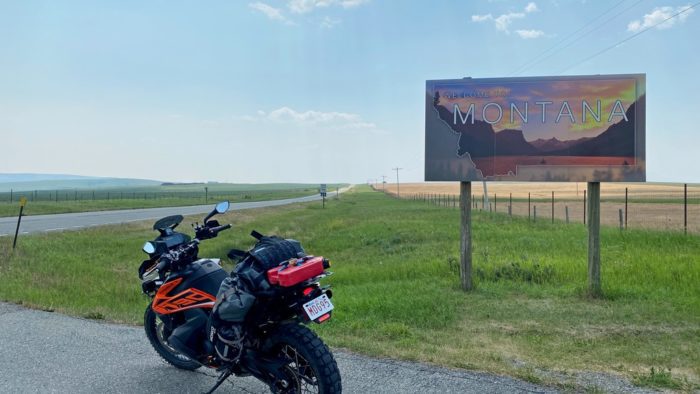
[276, 346]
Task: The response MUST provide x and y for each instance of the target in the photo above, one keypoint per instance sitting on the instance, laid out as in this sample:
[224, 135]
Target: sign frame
[463, 144]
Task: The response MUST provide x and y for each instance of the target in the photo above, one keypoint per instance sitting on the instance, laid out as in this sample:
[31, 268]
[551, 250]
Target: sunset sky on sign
[557, 92]
[309, 90]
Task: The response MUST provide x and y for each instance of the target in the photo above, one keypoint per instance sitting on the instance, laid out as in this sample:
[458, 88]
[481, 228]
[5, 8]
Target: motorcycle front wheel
[310, 364]
[156, 333]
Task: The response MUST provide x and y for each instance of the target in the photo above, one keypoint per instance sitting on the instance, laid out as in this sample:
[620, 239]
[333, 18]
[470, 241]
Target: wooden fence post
[552, 206]
[528, 206]
[685, 208]
[510, 204]
[465, 205]
[566, 211]
[625, 208]
[534, 213]
[621, 221]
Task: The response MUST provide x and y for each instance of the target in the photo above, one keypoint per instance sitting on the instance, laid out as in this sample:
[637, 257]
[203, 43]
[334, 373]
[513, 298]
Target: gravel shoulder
[44, 352]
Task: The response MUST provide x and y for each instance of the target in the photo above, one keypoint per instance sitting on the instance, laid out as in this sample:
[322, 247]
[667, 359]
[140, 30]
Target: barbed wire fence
[79, 195]
[675, 208]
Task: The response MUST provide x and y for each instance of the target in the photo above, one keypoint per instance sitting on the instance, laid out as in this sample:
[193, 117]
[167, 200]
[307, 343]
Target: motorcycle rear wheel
[311, 366]
[155, 332]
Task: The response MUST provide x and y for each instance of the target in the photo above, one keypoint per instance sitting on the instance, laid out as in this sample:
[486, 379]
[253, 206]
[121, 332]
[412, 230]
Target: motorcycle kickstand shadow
[224, 375]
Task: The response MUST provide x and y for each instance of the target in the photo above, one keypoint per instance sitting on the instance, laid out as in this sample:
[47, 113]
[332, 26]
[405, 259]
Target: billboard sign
[569, 129]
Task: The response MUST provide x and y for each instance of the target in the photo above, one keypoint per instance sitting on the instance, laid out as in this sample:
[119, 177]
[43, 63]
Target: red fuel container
[288, 274]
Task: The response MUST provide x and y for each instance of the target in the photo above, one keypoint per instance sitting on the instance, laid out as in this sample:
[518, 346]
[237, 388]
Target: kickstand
[224, 375]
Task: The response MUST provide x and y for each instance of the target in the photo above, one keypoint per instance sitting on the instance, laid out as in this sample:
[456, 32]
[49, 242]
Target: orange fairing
[163, 303]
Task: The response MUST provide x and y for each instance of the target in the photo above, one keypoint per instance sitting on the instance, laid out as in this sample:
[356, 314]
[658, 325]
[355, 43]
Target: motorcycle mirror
[222, 207]
[149, 247]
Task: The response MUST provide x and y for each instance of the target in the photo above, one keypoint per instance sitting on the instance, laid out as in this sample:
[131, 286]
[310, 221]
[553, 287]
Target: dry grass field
[650, 205]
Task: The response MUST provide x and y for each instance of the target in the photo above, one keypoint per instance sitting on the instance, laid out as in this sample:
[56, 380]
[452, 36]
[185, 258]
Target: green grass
[168, 196]
[396, 285]
[661, 379]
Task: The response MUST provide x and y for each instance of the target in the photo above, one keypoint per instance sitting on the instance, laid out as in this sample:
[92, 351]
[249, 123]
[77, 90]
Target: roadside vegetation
[150, 197]
[396, 287]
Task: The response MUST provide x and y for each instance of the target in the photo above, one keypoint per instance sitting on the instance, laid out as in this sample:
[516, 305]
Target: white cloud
[658, 15]
[352, 3]
[327, 120]
[503, 21]
[329, 23]
[305, 6]
[482, 18]
[269, 11]
[529, 34]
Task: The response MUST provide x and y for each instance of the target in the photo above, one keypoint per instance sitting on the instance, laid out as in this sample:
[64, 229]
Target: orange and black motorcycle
[275, 345]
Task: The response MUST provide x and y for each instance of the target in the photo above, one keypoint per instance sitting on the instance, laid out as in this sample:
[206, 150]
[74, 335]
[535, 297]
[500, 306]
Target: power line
[579, 38]
[532, 61]
[397, 181]
[630, 37]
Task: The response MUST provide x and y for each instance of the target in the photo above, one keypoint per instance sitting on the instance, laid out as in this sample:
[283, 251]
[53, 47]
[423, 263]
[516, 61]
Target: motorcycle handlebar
[174, 255]
[217, 229]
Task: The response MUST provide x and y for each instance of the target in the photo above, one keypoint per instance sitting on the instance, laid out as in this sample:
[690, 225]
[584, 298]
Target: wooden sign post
[594, 288]
[498, 142]
[465, 250]
[323, 190]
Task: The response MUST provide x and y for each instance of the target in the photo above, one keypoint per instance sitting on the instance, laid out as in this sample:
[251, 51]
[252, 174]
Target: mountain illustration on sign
[510, 149]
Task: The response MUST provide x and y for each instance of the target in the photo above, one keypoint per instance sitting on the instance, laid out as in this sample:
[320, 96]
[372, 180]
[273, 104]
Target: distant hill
[512, 142]
[27, 181]
[553, 144]
[617, 140]
[28, 177]
[480, 140]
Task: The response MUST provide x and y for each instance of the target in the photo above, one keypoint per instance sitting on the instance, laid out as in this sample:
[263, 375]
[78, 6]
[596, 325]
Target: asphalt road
[43, 352]
[71, 221]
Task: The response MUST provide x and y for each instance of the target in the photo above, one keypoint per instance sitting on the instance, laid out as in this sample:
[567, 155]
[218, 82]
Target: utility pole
[397, 181]
[383, 181]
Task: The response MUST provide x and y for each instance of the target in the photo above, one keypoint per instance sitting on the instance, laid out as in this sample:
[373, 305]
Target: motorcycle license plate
[318, 307]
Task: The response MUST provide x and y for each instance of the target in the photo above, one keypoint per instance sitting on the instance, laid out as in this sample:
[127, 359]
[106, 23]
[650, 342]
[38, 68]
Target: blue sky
[306, 90]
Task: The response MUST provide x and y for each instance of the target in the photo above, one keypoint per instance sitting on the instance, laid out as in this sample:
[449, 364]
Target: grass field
[150, 197]
[396, 287]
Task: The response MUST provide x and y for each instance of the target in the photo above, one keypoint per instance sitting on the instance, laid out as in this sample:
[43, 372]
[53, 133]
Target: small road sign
[323, 190]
